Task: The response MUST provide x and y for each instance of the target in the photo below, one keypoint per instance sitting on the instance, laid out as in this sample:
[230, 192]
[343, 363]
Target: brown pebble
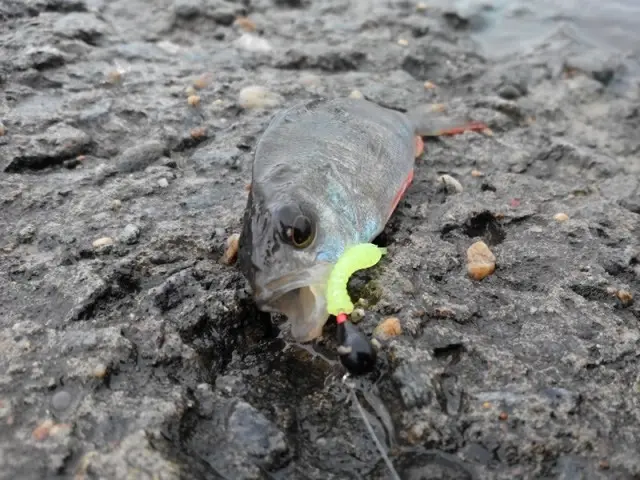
[102, 242]
[202, 82]
[625, 297]
[231, 252]
[389, 327]
[561, 217]
[3, 130]
[100, 370]
[246, 24]
[198, 133]
[429, 85]
[604, 465]
[503, 416]
[444, 312]
[114, 76]
[476, 173]
[193, 100]
[480, 261]
[41, 432]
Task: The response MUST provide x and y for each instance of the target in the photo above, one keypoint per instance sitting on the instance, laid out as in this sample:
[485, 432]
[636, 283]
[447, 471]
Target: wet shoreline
[131, 349]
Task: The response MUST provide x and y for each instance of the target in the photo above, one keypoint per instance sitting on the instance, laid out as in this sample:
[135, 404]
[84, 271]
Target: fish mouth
[301, 297]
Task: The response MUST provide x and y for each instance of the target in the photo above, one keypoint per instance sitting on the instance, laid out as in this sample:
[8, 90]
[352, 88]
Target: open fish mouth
[301, 297]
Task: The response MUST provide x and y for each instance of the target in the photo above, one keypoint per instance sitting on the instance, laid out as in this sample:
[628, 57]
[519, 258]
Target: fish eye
[300, 232]
[296, 226]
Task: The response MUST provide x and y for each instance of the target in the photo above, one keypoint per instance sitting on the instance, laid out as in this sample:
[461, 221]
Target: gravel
[131, 349]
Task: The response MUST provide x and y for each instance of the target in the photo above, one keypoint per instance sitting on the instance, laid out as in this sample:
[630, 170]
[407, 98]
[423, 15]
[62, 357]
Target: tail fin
[428, 122]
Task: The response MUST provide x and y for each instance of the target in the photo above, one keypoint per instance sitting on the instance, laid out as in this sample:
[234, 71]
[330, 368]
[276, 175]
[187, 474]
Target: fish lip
[275, 288]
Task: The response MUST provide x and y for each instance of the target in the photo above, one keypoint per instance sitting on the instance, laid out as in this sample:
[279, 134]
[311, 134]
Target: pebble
[231, 252]
[561, 217]
[100, 370]
[163, 182]
[421, 7]
[256, 96]
[356, 94]
[3, 130]
[196, 133]
[130, 234]
[103, 242]
[480, 261]
[403, 42]
[451, 185]
[476, 173]
[202, 81]
[389, 327]
[429, 86]
[41, 432]
[245, 24]
[193, 100]
[253, 43]
[356, 315]
[116, 205]
[140, 156]
[625, 297]
[61, 400]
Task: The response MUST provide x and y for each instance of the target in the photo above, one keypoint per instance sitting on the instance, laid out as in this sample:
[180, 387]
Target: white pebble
[356, 94]
[253, 43]
[163, 182]
[451, 184]
[256, 96]
[103, 242]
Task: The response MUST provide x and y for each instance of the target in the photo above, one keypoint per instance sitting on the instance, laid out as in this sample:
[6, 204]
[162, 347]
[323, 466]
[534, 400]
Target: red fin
[473, 126]
[401, 192]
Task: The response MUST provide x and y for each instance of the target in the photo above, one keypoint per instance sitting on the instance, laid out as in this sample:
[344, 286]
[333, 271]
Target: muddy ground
[142, 357]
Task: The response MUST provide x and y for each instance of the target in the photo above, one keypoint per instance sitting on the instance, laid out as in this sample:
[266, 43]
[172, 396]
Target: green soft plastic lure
[356, 257]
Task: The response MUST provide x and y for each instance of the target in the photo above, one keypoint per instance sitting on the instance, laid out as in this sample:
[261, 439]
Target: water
[506, 26]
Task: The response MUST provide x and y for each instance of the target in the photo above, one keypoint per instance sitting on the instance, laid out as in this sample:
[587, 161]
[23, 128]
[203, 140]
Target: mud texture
[141, 356]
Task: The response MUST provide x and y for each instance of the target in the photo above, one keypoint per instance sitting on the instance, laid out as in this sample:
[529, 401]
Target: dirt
[131, 350]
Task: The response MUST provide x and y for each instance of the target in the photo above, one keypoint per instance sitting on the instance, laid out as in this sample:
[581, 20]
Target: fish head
[287, 250]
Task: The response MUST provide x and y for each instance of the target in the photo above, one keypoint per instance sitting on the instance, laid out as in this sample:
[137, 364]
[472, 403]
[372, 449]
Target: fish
[326, 174]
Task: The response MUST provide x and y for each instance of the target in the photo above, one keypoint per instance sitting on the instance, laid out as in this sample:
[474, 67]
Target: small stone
[100, 371]
[60, 430]
[438, 107]
[429, 86]
[114, 76]
[561, 217]
[163, 182]
[476, 173]
[389, 327]
[480, 261]
[140, 156]
[61, 400]
[486, 405]
[403, 42]
[421, 7]
[356, 94]
[193, 100]
[190, 90]
[103, 242]
[451, 185]
[197, 134]
[231, 252]
[604, 465]
[3, 130]
[503, 416]
[245, 24]
[130, 234]
[41, 432]
[488, 132]
[256, 96]
[202, 82]
[116, 205]
[356, 315]
[625, 297]
[253, 43]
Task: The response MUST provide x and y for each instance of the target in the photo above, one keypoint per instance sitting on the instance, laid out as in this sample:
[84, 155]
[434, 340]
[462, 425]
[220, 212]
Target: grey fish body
[334, 168]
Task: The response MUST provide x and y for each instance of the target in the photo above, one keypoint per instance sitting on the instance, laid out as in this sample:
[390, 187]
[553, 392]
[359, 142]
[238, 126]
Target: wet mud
[130, 349]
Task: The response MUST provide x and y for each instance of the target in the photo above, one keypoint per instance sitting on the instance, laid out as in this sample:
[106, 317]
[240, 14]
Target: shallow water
[506, 26]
